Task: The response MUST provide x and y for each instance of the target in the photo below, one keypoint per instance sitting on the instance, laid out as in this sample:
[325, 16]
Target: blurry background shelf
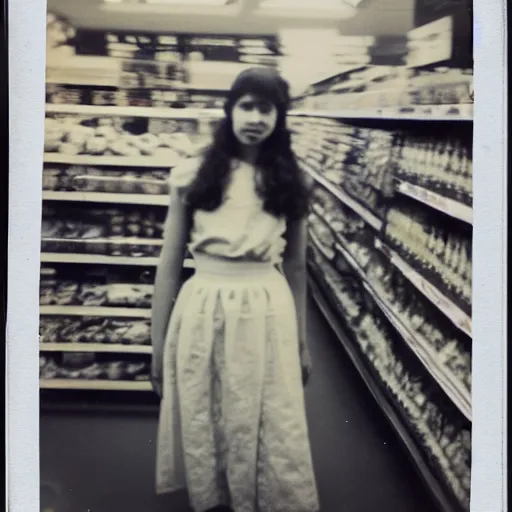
[95, 311]
[384, 401]
[107, 385]
[95, 347]
[115, 161]
[326, 251]
[146, 112]
[99, 259]
[458, 317]
[103, 197]
[462, 112]
[460, 396]
[367, 216]
[443, 204]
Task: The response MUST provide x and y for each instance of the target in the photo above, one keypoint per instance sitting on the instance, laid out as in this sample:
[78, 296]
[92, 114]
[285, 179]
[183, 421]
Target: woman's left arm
[295, 270]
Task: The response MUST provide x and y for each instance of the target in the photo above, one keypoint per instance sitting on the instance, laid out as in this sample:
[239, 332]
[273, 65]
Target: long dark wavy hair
[282, 186]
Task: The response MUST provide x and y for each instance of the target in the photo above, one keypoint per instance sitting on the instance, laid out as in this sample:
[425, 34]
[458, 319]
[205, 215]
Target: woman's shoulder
[185, 172]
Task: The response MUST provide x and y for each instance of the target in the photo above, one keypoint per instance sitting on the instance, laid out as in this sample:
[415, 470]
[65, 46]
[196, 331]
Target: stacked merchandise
[397, 268]
[83, 343]
[156, 70]
[105, 195]
[165, 140]
[108, 155]
[411, 77]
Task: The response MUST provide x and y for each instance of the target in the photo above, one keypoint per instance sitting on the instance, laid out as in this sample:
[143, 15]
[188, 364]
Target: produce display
[445, 439]
[94, 330]
[121, 136]
[86, 366]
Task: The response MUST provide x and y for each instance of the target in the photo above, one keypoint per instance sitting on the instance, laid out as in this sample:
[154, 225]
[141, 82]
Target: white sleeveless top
[240, 228]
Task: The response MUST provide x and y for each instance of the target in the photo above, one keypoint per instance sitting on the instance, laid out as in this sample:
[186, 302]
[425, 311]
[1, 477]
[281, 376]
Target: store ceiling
[376, 17]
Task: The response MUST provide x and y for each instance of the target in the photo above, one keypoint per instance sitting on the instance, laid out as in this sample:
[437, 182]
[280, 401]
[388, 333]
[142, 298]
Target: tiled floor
[105, 463]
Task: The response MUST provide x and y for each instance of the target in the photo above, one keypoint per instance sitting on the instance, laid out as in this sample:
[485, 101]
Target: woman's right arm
[168, 280]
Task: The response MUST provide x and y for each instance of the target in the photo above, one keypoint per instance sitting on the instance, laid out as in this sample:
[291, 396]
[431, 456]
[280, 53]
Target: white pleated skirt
[233, 426]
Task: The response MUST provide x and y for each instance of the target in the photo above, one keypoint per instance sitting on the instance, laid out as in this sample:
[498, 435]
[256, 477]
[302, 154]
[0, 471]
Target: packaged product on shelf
[119, 136]
[123, 295]
[47, 289]
[422, 417]
[88, 366]
[444, 256]
[442, 166]
[94, 330]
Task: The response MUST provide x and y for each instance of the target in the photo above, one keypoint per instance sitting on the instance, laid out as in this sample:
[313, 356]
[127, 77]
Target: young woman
[229, 348]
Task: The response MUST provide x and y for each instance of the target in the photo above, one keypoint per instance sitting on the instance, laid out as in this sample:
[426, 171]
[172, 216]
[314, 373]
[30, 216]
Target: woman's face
[254, 119]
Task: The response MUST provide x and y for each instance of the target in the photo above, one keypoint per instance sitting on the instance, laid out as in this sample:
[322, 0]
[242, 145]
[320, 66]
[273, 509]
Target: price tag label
[441, 203]
[456, 315]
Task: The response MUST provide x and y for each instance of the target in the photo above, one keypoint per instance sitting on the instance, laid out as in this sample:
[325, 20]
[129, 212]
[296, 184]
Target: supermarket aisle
[106, 463]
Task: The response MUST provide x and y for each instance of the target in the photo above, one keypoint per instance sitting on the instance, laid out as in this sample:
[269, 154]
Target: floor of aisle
[105, 463]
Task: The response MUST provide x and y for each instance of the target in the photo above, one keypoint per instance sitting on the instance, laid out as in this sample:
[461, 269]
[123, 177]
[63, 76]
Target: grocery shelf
[453, 388]
[326, 251]
[97, 259]
[342, 196]
[383, 399]
[95, 311]
[95, 347]
[115, 161]
[462, 112]
[443, 204]
[103, 197]
[458, 317]
[149, 112]
[100, 259]
[104, 385]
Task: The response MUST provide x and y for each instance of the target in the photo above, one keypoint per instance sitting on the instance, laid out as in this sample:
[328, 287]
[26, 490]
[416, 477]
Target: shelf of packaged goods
[342, 196]
[95, 347]
[110, 161]
[454, 389]
[443, 204]
[99, 259]
[412, 112]
[104, 385]
[462, 112]
[97, 311]
[103, 197]
[458, 317]
[382, 398]
[146, 112]
[420, 346]
[327, 252]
